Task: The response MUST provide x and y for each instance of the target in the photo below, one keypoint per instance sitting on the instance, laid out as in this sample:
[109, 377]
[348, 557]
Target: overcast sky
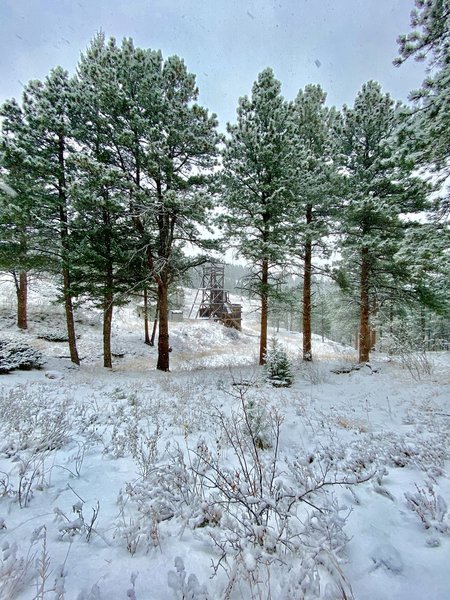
[226, 43]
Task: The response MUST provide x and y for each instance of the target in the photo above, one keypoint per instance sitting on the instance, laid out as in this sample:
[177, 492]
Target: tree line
[112, 173]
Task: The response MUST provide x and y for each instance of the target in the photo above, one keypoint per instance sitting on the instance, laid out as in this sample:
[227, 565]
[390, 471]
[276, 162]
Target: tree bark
[307, 350]
[64, 235]
[307, 270]
[107, 326]
[163, 335]
[155, 324]
[70, 320]
[108, 302]
[146, 331]
[364, 309]
[22, 295]
[373, 339]
[264, 311]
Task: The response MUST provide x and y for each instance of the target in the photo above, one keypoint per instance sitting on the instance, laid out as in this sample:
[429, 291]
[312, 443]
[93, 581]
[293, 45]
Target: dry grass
[351, 424]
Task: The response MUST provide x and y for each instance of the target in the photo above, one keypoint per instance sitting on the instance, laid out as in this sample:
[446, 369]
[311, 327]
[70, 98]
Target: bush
[16, 355]
[54, 336]
[278, 367]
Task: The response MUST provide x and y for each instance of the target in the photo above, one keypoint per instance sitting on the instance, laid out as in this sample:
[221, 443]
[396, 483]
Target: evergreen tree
[46, 110]
[17, 206]
[277, 365]
[381, 190]
[255, 189]
[106, 249]
[163, 144]
[429, 129]
[314, 183]
[103, 245]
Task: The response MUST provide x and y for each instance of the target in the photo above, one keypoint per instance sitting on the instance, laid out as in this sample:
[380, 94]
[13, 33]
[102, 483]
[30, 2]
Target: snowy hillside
[207, 482]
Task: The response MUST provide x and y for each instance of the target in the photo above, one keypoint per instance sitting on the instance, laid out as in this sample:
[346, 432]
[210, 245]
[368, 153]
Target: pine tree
[315, 184]
[277, 365]
[428, 131]
[17, 202]
[255, 189]
[103, 237]
[381, 190]
[46, 109]
[103, 245]
[163, 144]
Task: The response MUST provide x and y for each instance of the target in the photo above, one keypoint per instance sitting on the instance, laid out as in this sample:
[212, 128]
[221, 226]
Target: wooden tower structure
[215, 301]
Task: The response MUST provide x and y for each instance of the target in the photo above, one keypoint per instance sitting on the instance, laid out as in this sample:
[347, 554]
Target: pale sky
[339, 44]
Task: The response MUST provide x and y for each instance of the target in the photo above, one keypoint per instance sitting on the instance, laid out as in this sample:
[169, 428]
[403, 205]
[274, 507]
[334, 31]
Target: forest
[147, 454]
[116, 182]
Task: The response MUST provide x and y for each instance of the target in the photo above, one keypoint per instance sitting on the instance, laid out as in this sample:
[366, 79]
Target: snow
[5, 188]
[110, 465]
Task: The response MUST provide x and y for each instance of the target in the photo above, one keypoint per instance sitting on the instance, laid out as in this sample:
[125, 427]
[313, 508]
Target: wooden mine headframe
[215, 303]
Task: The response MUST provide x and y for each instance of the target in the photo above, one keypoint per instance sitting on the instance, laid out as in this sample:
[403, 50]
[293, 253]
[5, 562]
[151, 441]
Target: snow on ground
[106, 477]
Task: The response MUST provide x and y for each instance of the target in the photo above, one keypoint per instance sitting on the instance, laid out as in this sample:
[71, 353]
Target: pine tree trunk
[373, 339]
[163, 336]
[364, 310]
[70, 320]
[107, 326]
[64, 235]
[108, 302]
[22, 295]
[146, 330]
[155, 324]
[264, 311]
[307, 350]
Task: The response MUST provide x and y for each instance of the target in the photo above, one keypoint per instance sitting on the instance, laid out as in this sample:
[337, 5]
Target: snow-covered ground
[334, 488]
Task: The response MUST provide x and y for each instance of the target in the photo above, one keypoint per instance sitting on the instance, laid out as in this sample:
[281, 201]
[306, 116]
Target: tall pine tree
[163, 143]
[47, 112]
[381, 191]
[315, 186]
[17, 206]
[255, 187]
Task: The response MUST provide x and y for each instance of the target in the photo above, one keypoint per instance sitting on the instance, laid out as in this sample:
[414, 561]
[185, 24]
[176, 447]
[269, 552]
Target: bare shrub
[265, 515]
[411, 356]
[313, 372]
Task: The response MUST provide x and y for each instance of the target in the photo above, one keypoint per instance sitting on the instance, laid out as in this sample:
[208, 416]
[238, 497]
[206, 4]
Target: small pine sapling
[278, 367]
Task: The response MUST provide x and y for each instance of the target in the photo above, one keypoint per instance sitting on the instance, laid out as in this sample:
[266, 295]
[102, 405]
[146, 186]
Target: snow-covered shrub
[143, 445]
[17, 355]
[269, 519]
[185, 590]
[80, 525]
[6, 489]
[32, 420]
[189, 407]
[172, 490]
[53, 336]
[313, 372]
[412, 356]
[430, 507]
[138, 525]
[271, 509]
[93, 594]
[278, 367]
[42, 564]
[417, 362]
[253, 412]
[15, 571]
[32, 476]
